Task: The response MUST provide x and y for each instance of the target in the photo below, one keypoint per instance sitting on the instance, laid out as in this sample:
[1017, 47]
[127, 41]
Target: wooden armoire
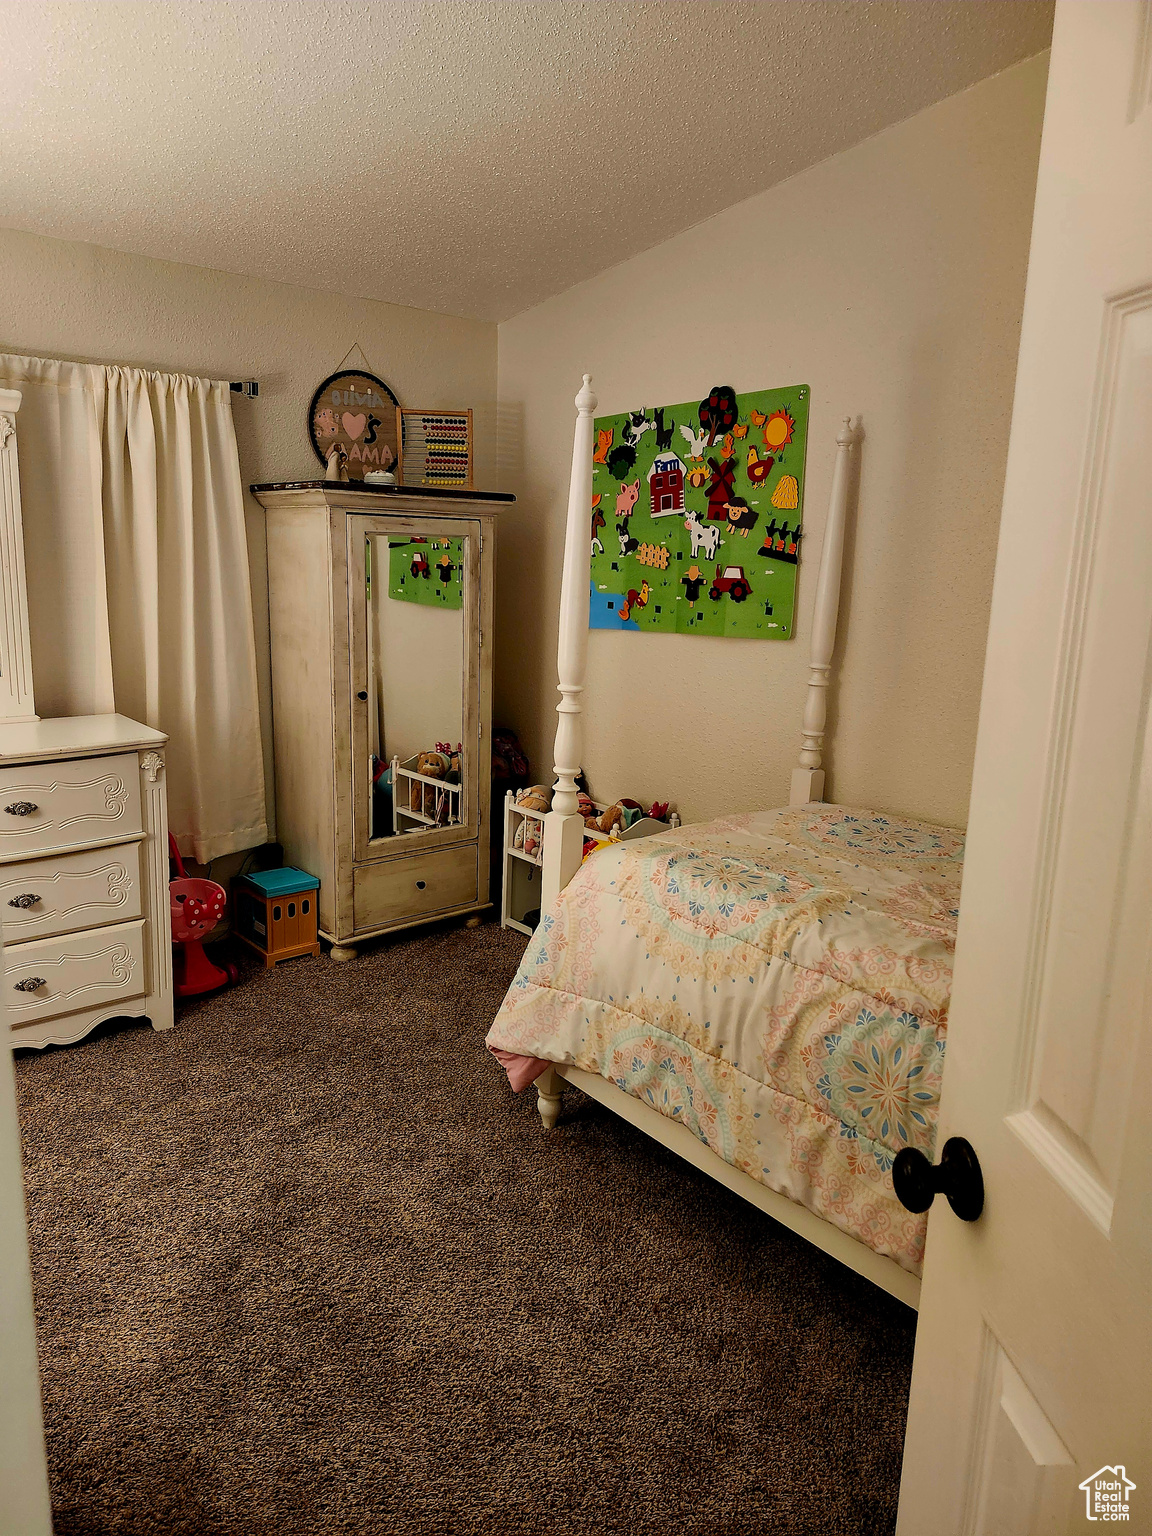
[381, 627]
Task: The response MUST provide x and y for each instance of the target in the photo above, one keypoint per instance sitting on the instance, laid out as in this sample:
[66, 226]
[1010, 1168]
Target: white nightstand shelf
[521, 883]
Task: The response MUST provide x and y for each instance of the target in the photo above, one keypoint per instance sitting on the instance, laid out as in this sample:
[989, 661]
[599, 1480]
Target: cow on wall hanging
[709, 499]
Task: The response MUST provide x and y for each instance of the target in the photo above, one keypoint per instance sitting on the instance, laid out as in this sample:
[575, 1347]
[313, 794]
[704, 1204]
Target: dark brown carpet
[306, 1265]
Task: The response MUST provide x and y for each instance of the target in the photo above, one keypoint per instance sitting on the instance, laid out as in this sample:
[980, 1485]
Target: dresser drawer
[398, 890]
[39, 897]
[80, 970]
[58, 804]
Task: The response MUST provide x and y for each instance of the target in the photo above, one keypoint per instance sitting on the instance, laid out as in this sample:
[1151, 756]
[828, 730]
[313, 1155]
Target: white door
[1033, 1366]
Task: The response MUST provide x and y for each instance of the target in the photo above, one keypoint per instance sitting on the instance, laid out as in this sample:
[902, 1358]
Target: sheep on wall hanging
[697, 515]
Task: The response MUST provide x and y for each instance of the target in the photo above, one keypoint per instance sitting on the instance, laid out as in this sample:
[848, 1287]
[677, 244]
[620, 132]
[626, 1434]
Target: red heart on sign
[353, 425]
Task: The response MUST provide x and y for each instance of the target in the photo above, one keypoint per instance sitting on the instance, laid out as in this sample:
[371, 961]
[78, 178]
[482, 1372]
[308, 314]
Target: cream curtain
[138, 590]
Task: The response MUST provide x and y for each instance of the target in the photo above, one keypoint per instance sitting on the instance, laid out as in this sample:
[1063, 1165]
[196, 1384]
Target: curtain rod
[247, 387]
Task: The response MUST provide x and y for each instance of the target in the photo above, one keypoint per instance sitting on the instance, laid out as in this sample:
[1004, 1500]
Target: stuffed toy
[433, 765]
[613, 819]
[508, 760]
[454, 756]
[530, 832]
[605, 822]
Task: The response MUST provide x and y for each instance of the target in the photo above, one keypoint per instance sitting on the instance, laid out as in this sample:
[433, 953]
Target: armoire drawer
[80, 970]
[40, 897]
[58, 804]
[398, 890]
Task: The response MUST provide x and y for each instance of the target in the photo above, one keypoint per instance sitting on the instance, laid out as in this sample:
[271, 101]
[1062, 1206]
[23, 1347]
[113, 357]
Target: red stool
[197, 906]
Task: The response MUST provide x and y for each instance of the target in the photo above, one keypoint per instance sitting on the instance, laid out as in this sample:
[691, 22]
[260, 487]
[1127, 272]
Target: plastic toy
[275, 913]
[197, 906]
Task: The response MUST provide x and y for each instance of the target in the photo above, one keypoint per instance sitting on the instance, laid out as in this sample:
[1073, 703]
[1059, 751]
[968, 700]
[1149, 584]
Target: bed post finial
[563, 826]
[808, 778]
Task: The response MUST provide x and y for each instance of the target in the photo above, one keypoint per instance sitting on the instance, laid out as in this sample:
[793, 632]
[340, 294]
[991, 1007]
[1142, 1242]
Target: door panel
[1077, 1044]
[1034, 1343]
[414, 625]
[1020, 1481]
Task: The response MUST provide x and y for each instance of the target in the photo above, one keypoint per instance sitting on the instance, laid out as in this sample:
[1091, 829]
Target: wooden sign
[358, 411]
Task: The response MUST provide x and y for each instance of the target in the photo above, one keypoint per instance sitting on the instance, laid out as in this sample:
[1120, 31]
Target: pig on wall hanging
[697, 515]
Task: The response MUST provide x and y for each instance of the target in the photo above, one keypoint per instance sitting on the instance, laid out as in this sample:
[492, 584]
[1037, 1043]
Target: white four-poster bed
[713, 1079]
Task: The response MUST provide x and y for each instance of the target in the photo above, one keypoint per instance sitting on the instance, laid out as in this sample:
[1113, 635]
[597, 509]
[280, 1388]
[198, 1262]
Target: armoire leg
[548, 1087]
[343, 952]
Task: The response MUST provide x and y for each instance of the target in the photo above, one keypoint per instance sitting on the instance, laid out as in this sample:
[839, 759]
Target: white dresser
[83, 835]
[83, 876]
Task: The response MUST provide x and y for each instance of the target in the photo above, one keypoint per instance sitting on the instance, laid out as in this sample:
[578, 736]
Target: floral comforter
[779, 982]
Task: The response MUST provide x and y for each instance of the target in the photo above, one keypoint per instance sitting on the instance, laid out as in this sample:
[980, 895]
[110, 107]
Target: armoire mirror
[416, 684]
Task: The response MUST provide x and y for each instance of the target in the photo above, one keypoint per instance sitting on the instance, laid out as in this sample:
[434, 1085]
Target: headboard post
[808, 778]
[563, 826]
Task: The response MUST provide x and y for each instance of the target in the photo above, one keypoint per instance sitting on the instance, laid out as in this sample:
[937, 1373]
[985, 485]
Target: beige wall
[891, 280]
[59, 299]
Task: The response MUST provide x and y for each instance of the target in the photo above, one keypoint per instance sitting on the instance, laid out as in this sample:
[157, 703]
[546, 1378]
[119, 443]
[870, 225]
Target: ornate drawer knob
[29, 899]
[21, 808]
[29, 984]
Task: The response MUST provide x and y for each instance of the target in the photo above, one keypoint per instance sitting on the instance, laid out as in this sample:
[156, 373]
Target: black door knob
[362, 694]
[957, 1176]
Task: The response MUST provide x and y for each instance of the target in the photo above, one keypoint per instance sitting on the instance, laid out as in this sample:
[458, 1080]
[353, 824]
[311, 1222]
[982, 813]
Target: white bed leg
[548, 1089]
[808, 778]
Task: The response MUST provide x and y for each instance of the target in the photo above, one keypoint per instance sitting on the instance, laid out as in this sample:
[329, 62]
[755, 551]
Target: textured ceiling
[473, 157]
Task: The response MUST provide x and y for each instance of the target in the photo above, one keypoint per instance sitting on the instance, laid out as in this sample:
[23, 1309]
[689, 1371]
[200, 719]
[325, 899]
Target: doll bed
[829, 929]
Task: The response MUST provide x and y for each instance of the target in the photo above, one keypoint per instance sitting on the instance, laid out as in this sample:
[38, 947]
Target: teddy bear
[605, 822]
[612, 819]
[433, 765]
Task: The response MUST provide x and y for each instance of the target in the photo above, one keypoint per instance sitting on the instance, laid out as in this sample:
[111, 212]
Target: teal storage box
[276, 913]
